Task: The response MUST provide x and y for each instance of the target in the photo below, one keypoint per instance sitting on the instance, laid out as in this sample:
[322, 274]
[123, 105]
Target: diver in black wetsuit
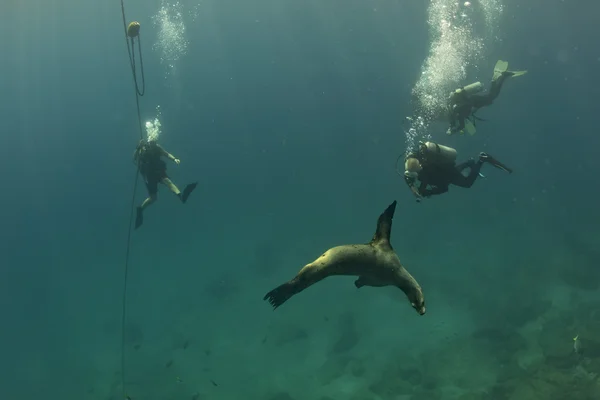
[464, 102]
[434, 166]
[153, 169]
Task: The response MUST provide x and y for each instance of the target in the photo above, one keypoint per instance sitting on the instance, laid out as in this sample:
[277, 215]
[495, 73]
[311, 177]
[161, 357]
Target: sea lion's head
[417, 301]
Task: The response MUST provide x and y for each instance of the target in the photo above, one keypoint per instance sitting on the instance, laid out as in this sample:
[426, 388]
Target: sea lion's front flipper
[307, 276]
[367, 281]
[384, 224]
[360, 282]
[280, 294]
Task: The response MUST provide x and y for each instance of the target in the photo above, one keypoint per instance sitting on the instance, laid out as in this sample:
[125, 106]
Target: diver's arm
[166, 153]
[434, 190]
[411, 185]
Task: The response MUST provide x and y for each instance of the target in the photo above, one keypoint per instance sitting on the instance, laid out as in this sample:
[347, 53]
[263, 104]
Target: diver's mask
[411, 174]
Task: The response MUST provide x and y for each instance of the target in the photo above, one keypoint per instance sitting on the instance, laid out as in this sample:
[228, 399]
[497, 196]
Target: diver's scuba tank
[461, 95]
[473, 88]
[437, 153]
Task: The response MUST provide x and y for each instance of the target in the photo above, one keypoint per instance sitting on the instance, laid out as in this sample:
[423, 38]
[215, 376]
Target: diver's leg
[496, 86]
[152, 186]
[186, 191]
[455, 124]
[149, 200]
[459, 179]
[467, 164]
[172, 187]
[501, 73]
[460, 125]
[483, 100]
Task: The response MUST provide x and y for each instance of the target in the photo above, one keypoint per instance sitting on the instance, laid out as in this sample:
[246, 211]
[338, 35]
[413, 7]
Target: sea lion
[375, 263]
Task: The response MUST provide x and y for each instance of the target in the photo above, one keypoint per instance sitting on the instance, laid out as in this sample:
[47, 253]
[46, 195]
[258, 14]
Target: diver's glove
[452, 131]
[416, 193]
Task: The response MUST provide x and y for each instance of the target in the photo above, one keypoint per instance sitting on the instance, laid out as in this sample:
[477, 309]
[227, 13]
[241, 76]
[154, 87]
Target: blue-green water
[290, 115]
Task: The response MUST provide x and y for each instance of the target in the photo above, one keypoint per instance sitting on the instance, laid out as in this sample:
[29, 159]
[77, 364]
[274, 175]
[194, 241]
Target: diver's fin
[500, 68]
[514, 74]
[384, 225]
[470, 127]
[491, 160]
[139, 218]
[187, 191]
[476, 118]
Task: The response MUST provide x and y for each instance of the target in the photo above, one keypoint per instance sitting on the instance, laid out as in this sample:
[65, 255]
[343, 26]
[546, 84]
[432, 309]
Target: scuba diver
[464, 102]
[434, 165]
[147, 157]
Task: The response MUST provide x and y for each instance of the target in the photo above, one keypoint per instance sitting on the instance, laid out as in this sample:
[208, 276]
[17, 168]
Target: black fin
[139, 218]
[499, 165]
[187, 191]
[384, 224]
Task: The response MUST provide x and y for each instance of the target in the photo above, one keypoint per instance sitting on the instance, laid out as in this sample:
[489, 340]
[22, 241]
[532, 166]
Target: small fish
[196, 396]
[213, 382]
[186, 344]
[137, 346]
[178, 380]
[169, 363]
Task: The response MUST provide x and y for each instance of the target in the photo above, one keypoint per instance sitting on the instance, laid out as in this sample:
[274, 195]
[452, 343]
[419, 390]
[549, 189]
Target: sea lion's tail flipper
[384, 224]
[280, 294]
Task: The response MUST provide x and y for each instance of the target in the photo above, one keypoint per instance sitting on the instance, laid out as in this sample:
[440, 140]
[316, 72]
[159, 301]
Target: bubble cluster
[171, 39]
[153, 127]
[492, 11]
